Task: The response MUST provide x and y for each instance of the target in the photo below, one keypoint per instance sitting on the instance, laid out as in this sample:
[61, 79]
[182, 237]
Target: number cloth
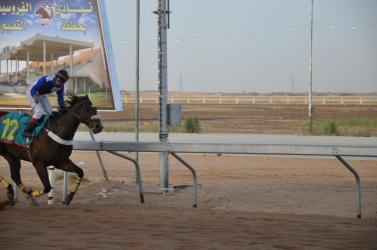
[12, 126]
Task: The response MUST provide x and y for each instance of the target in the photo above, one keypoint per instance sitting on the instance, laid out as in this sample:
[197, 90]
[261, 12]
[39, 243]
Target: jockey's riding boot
[28, 132]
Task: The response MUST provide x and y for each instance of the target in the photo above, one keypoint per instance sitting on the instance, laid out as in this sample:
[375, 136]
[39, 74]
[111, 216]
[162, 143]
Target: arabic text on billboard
[37, 38]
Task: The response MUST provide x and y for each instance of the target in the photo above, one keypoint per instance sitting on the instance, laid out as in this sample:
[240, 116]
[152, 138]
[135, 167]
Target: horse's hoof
[3, 204]
[33, 202]
[66, 203]
[11, 200]
[68, 199]
[6, 203]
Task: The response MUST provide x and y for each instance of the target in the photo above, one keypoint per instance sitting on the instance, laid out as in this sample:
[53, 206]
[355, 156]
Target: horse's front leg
[69, 166]
[43, 176]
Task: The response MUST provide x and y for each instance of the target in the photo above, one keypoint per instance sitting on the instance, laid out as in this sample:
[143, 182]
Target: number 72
[9, 124]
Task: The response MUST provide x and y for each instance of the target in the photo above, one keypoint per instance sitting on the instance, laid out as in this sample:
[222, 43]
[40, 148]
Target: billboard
[37, 38]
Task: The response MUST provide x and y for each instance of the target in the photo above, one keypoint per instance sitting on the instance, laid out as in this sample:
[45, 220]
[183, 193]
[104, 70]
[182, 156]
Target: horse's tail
[2, 113]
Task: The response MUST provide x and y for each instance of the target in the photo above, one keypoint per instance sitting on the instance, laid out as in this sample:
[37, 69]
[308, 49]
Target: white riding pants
[43, 106]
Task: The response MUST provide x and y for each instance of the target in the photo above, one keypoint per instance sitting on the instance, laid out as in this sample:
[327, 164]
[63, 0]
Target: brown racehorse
[45, 151]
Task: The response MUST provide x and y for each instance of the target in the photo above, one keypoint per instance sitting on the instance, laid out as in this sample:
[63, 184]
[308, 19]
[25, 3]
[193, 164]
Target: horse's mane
[73, 99]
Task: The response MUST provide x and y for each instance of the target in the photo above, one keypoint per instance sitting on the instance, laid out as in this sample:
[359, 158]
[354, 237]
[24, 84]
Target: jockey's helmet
[62, 75]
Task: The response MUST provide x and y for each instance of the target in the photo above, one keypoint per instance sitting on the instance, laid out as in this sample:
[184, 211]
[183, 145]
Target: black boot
[28, 132]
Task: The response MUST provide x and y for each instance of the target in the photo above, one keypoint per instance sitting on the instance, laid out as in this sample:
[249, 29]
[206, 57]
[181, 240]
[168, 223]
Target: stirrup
[27, 134]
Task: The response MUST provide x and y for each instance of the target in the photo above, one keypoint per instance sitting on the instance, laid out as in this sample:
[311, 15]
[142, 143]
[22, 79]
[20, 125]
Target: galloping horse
[53, 146]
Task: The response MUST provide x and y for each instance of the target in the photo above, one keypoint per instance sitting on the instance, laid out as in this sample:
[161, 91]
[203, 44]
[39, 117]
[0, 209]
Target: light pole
[163, 25]
[311, 67]
[137, 113]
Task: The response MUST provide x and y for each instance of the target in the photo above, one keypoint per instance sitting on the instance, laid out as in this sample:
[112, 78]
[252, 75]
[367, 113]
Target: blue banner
[38, 38]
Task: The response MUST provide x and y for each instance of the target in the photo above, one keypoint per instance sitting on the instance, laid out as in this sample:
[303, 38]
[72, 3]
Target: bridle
[87, 122]
[59, 140]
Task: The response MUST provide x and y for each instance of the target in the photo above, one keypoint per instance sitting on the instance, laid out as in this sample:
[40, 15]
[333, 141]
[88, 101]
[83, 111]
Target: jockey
[39, 101]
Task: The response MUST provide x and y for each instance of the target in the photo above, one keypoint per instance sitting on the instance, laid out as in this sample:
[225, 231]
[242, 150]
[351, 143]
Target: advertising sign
[38, 38]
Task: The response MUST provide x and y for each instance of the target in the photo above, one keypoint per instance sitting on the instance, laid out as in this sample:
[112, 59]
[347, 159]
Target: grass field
[345, 120]
[353, 126]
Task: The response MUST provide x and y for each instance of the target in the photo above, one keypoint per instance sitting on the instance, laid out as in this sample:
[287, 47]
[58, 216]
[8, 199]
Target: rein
[87, 121]
[58, 139]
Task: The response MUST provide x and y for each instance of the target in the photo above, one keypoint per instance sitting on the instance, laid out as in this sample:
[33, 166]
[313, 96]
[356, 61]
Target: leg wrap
[4, 182]
[8, 186]
[38, 193]
[76, 185]
[23, 189]
[27, 191]
[29, 194]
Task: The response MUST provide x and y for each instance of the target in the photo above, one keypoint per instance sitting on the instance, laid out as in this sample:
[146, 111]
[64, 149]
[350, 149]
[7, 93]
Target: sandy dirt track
[244, 203]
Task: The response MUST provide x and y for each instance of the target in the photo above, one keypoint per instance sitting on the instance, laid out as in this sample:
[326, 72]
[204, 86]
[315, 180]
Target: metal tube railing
[138, 173]
[194, 178]
[358, 186]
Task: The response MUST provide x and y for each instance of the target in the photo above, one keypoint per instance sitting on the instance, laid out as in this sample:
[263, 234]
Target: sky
[250, 45]
[240, 45]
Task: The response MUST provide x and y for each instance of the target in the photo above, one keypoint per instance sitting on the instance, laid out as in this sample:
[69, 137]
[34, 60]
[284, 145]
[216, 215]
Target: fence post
[65, 185]
[51, 177]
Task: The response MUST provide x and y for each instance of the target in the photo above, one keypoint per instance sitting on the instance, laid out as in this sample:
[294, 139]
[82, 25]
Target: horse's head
[44, 14]
[84, 110]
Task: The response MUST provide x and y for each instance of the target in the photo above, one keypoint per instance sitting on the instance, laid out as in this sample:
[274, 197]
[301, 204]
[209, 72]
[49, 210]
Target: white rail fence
[317, 100]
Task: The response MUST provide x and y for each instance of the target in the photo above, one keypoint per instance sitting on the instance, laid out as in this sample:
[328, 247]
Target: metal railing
[213, 99]
[337, 151]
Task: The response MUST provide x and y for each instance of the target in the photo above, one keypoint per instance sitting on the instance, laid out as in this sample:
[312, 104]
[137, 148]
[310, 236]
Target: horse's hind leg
[15, 166]
[8, 186]
[69, 166]
[10, 193]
